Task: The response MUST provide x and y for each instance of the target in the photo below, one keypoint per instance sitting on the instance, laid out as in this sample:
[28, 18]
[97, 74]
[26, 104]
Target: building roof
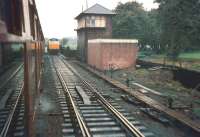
[134, 41]
[96, 9]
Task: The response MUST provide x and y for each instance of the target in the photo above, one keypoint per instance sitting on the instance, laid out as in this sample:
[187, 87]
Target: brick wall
[119, 55]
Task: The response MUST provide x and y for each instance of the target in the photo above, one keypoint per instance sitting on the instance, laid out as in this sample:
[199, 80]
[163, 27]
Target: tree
[155, 32]
[126, 24]
[64, 41]
[132, 21]
[180, 22]
[172, 28]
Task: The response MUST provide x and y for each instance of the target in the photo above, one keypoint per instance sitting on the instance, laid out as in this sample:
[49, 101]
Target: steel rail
[128, 125]
[7, 125]
[11, 77]
[123, 119]
[84, 130]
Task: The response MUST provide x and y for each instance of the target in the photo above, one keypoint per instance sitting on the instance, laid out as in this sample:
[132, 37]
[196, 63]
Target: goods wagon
[53, 46]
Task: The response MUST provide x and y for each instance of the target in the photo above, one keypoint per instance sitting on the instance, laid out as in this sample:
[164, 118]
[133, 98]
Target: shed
[105, 54]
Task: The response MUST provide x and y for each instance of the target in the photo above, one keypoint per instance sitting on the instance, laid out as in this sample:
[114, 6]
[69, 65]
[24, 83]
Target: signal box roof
[133, 41]
[97, 10]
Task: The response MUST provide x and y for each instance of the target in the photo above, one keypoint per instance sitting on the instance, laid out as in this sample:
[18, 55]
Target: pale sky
[57, 16]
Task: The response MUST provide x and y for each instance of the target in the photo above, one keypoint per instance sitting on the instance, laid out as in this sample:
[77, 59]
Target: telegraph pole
[86, 4]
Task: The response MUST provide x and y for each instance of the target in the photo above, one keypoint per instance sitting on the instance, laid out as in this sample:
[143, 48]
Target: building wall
[118, 55]
[81, 41]
[95, 55]
[109, 27]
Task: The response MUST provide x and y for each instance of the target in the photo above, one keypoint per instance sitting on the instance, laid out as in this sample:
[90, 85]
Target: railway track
[89, 111]
[12, 105]
[139, 97]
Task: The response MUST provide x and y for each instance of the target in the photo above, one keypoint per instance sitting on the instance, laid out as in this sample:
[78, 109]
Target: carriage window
[13, 15]
[1, 9]
[31, 17]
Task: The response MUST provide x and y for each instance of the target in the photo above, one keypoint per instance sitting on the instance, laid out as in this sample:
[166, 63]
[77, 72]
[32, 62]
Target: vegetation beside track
[188, 60]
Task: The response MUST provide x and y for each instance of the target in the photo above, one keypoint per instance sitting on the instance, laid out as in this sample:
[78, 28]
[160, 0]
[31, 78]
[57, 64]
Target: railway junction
[47, 94]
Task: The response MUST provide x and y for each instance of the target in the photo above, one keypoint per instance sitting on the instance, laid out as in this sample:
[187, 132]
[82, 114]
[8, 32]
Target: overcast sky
[57, 16]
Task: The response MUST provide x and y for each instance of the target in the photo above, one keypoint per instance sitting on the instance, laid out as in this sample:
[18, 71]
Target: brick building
[105, 54]
[93, 23]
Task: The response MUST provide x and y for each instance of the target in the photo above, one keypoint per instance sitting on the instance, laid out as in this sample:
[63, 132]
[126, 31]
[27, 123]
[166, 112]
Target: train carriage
[20, 28]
